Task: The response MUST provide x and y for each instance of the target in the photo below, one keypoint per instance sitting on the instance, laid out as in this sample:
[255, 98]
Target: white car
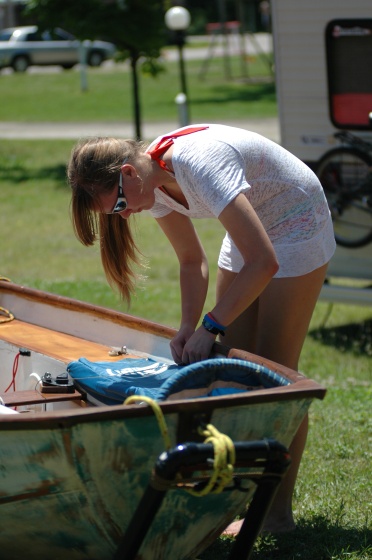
[21, 47]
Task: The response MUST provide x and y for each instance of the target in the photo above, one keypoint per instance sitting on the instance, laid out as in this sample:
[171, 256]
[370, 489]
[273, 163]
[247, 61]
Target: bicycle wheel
[346, 177]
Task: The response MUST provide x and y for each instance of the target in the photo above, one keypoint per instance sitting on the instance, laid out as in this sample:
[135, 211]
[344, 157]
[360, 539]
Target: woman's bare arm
[193, 275]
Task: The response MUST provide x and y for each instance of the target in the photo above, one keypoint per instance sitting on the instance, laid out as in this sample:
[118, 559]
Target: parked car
[21, 47]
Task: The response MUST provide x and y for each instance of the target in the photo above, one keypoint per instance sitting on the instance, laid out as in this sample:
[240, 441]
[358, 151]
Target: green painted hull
[70, 486]
[71, 480]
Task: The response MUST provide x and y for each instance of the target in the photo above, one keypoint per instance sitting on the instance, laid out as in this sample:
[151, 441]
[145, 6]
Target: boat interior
[54, 350]
[42, 333]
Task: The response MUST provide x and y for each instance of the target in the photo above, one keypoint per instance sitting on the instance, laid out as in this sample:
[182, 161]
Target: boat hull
[71, 479]
[73, 483]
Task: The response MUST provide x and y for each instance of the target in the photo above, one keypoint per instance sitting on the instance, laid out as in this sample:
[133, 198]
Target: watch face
[210, 327]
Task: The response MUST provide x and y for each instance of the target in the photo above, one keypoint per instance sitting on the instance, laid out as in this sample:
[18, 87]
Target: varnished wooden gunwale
[305, 389]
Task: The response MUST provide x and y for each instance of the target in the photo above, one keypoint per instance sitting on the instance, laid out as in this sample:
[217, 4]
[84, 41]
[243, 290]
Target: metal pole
[186, 111]
[182, 70]
[181, 102]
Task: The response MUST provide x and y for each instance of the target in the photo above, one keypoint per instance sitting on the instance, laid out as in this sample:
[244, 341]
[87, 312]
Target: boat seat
[57, 345]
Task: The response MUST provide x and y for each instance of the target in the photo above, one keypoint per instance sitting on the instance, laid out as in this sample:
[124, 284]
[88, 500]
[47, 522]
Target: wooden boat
[74, 478]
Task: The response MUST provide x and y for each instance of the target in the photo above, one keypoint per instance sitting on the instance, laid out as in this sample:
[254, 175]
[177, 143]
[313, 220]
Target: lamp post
[178, 19]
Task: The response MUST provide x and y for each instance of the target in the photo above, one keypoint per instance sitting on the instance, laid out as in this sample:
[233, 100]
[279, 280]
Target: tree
[135, 26]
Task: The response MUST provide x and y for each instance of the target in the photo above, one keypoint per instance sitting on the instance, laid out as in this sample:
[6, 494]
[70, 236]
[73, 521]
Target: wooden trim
[292, 375]
[306, 390]
[20, 398]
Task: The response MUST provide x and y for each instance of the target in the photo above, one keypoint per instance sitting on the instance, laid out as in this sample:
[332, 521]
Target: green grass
[58, 97]
[333, 494]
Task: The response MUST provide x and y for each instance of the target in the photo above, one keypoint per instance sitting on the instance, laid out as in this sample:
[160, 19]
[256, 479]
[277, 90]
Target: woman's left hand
[198, 347]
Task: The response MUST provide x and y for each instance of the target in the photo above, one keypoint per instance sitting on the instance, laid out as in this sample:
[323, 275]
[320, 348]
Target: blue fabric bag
[112, 382]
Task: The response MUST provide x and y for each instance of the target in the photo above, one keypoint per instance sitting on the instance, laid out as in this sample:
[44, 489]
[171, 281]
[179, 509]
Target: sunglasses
[121, 203]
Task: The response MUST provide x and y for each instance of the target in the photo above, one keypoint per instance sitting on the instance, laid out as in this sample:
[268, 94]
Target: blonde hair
[93, 170]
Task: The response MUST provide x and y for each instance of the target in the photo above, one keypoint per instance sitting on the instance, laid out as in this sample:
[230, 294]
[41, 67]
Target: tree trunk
[136, 96]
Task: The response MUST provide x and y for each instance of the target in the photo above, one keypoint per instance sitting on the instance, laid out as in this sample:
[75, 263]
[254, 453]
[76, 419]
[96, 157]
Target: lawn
[57, 96]
[37, 246]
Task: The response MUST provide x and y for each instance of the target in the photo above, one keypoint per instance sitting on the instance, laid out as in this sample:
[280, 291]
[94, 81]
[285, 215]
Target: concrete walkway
[19, 130]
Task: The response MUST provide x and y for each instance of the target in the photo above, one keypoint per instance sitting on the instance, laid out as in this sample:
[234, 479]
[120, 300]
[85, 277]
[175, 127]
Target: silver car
[21, 47]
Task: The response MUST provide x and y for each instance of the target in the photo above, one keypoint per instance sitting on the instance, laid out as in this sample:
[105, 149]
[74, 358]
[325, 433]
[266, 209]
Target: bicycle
[345, 173]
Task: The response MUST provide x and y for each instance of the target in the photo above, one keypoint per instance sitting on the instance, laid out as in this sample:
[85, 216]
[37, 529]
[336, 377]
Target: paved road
[18, 130]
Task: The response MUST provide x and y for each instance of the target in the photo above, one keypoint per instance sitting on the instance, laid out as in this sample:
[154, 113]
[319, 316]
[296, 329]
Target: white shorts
[295, 259]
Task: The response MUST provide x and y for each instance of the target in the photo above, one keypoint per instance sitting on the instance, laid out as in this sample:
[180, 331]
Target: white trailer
[323, 61]
[299, 35]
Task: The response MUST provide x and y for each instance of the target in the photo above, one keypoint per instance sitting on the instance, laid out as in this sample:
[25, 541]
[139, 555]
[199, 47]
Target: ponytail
[93, 170]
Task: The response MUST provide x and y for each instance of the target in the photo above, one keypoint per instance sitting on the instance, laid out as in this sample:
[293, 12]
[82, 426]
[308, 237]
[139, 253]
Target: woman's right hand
[178, 343]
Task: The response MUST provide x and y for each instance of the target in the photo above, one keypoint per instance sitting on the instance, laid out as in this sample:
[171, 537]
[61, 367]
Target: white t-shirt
[213, 166]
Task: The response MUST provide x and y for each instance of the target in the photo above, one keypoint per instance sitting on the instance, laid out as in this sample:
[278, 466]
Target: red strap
[162, 146]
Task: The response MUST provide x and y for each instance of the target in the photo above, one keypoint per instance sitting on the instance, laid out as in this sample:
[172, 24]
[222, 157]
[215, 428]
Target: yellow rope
[159, 416]
[224, 450]
[8, 316]
[223, 463]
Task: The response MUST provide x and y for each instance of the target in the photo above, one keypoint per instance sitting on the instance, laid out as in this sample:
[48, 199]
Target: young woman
[273, 260]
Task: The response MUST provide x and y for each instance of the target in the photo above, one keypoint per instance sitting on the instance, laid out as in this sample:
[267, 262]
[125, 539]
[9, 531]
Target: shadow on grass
[18, 173]
[354, 337]
[317, 539]
[225, 94]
